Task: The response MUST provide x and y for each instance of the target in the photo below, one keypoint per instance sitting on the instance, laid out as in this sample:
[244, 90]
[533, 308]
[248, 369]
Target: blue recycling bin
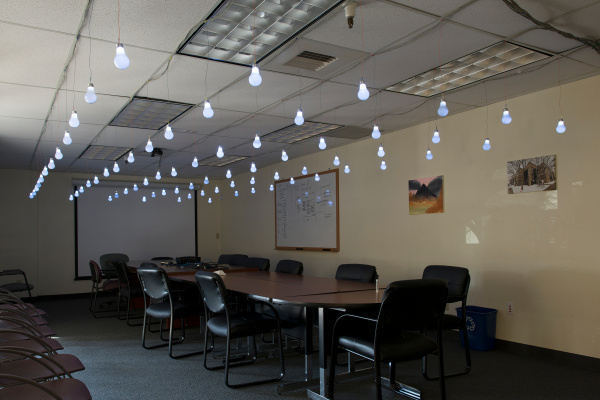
[481, 327]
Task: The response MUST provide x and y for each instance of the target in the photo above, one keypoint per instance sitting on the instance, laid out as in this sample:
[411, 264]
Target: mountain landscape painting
[426, 195]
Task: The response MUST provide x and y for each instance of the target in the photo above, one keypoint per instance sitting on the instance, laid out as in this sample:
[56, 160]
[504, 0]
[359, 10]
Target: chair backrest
[237, 259]
[95, 272]
[148, 264]
[263, 264]
[290, 267]
[458, 279]
[411, 305]
[213, 291]
[224, 259]
[105, 258]
[155, 282]
[357, 272]
[161, 258]
[121, 269]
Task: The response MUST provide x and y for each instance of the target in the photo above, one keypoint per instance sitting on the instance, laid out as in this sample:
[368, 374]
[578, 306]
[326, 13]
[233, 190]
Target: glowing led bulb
[232, 184]
[45, 171]
[157, 177]
[208, 111]
[428, 155]
[255, 78]
[51, 164]
[149, 146]
[383, 166]
[228, 174]
[276, 176]
[67, 138]
[121, 60]
[317, 178]
[443, 109]
[216, 189]
[191, 187]
[195, 162]
[256, 142]
[130, 158]
[304, 170]
[220, 153]
[253, 167]
[88, 183]
[236, 193]
[125, 191]
[292, 181]
[322, 144]
[206, 180]
[506, 118]
[271, 188]
[336, 160]
[347, 169]
[96, 180]
[209, 200]
[74, 121]
[189, 195]
[116, 167]
[252, 190]
[380, 152]
[153, 194]
[164, 192]
[106, 173]
[116, 195]
[168, 132]
[375, 134]
[144, 199]
[486, 144]
[173, 172]
[70, 197]
[90, 95]
[109, 198]
[76, 194]
[81, 189]
[363, 92]
[436, 136]
[299, 120]
[252, 181]
[561, 128]
[58, 155]
[284, 155]
[176, 190]
[135, 187]
[202, 192]
[145, 181]
[179, 199]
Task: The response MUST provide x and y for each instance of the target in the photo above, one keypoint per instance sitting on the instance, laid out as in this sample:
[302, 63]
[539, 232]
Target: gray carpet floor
[117, 367]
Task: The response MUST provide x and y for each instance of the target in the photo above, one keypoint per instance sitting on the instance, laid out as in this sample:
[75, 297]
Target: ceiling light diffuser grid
[296, 133]
[147, 113]
[99, 152]
[247, 31]
[215, 161]
[482, 64]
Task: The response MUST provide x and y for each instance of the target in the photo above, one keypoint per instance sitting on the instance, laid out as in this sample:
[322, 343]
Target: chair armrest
[347, 319]
[266, 303]
[7, 272]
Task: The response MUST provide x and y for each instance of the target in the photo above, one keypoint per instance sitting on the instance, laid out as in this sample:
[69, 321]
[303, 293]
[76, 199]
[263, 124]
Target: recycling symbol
[470, 324]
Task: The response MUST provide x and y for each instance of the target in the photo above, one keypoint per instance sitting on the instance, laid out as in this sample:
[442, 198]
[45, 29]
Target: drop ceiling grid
[548, 10]
[98, 113]
[586, 55]
[434, 7]
[195, 121]
[262, 124]
[547, 41]
[582, 23]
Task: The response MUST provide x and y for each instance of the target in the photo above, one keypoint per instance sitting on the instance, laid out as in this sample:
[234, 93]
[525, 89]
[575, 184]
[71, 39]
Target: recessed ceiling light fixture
[296, 133]
[147, 113]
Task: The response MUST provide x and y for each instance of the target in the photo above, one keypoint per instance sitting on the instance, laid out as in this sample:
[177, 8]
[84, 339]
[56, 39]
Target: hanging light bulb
[428, 155]
[40, 179]
[232, 184]
[299, 120]
[164, 192]
[76, 194]
[130, 158]
[51, 164]
[209, 200]
[336, 160]
[252, 190]
[70, 197]
[375, 134]
[347, 169]
[506, 118]
[202, 193]
[561, 128]
[173, 172]
[220, 153]
[58, 155]
[322, 144]
[236, 193]
[31, 196]
[271, 188]
[436, 136]
[145, 181]
[45, 171]
[383, 166]
[179, 199]
[125, 191]
[276, 176]
[304, 170]
[252, 181]
[157, 177]
[74, 121]
[135, 187]
[153, 194]
[195, 162]
[380, 152]
[255, 78]
[256, 142]
[228, 174]
[292, 181]
[363, 92]
[88, 183]
[168, 132]
[216, 189]
[67, 138]
[191, 187]
[208, 111]
[206, 179]
[38, 185]
[121, 60]
[176, 190]
[81, 189]
[149, 146]
[253, 167]
[109, 198]
[443, 109]
[144, 199]
[317, 178]
[486, 144]
[284, 155]
[106, 173]
[189, 196]
[116, 167]
[96, 180]
[90, 94]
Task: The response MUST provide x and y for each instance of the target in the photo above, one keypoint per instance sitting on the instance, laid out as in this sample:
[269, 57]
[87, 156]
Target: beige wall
[535, 250]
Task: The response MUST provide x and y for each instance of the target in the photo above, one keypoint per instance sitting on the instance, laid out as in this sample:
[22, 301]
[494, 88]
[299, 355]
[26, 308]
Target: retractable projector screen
[159, 227]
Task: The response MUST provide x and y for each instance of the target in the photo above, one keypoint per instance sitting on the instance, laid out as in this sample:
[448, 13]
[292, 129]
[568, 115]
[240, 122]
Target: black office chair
[128, 290]
[16, 287]
[357, 272]
[290, 267]
[161, 258]
[107, 269]
[407, 308]
[458, 279]
[157, 286]
[263, 264]
[100, 285]
[233, 326]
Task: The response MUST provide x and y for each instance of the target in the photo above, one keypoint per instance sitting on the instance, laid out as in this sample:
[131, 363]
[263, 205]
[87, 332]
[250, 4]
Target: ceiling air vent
[310, 61]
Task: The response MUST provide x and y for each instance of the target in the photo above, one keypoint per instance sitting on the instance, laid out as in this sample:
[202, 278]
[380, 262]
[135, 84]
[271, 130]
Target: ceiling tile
[21, 128]
[492, 16]
[434, 7]
[56, 15]
[546, 41]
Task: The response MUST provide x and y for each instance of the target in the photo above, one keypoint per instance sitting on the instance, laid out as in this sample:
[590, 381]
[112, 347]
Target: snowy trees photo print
[426, 195]
[531, 174]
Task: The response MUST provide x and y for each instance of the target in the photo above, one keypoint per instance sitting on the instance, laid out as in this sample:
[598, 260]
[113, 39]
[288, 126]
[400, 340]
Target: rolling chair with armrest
[107, 269]
[263, 264]
[407, 308]
[458, 279]
[16, 287]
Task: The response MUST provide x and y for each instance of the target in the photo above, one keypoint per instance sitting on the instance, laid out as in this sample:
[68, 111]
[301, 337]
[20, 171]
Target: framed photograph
[426, 195]
[531, 174]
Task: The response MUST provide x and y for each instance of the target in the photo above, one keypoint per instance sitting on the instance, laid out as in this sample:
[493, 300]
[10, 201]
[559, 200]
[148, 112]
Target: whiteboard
[307, 213]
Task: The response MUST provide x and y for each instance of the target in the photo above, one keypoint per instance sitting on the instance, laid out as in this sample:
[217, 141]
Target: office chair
[16, 287]
[67, 388]
[223, 323]
[157, 286]
[263, 264]
[128, 290]
[161, 258]
[38, 366]
[458, 279]
[106, 268]
[290, 267]
[100, 285]
[357, 272]
[407, 308]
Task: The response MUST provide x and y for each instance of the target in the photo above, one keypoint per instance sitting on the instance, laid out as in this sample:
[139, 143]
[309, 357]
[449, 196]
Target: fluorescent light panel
[215, 161]
[296, 133]
[482, 64]
[110, 153]
[147, 113]
[246, 31]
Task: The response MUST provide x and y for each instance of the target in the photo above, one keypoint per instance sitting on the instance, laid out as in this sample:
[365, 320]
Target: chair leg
[377, 376]
[451, 375]
[331, 385]
[194, 353]
[441, 363]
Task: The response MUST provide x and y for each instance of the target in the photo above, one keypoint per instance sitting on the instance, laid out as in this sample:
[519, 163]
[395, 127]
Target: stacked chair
[30, 367]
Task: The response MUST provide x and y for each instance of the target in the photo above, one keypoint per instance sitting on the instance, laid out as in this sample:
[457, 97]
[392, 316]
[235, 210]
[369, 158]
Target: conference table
[303, 291]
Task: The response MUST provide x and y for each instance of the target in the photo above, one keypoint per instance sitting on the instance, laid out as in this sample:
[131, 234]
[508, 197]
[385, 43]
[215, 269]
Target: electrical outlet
[510, 308]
